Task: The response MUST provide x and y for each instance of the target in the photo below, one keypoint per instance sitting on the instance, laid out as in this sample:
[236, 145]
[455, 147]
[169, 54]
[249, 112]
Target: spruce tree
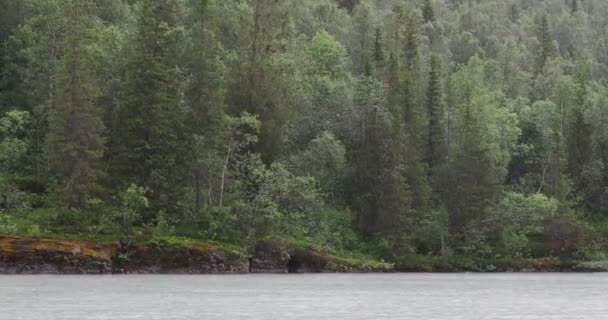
[75, 143]
[546, 50]
[580, 134]
[514, 12]
[261, 85]
[204, 95]
[378, 48]
[399, 214]
[435, 112]
[410, 45]
[427, 11]
[362, 49]
[149, 149]
[556, 183]
[573, 6]
[203, 90]
[473, 187]
[413, 117]
[379, 192]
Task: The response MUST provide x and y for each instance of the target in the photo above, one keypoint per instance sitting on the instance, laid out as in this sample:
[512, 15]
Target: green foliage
[11, 198]
[133, 203]
[6, 224]
[284, 204]
[520, 217]
[162, 227]
[441, 134]
[325, 160]
[484, 138]
[14, 143]
[326, 54]
[75, 143]
[149, 146]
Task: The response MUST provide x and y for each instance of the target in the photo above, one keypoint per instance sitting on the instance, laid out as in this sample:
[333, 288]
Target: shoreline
[25, 255]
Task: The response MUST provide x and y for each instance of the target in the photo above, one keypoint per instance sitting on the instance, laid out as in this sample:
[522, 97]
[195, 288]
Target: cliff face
[34, 256]
[181, 260]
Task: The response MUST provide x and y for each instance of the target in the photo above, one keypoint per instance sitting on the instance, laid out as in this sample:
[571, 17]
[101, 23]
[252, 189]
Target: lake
[306, 296]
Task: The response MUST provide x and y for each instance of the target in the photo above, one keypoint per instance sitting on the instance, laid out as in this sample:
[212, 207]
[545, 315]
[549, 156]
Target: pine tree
[435, 111]
[348, 4]
[397, 25]
[427, 11]
[261, 85]
[573, 6]
[12, 58]
[31, 66]
[149, 143]
[580, 134]
[12, 14]
[75, 143]
[378, 48]
[473, 187]
[379, 57]
[380, 193]
[403, 100]
[399, 214]
[410, 45]
[362, 46]
[204, 94]
[546, 50]
[413, 116]
[556, 183]
[514, 12]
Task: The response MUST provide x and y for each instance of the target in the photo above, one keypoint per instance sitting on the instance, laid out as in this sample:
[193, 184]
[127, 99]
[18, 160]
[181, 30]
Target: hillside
[417, 132]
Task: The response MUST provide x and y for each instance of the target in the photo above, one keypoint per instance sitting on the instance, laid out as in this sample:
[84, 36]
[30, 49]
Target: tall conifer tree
[75, 143]
[149, 148]
[435, 113]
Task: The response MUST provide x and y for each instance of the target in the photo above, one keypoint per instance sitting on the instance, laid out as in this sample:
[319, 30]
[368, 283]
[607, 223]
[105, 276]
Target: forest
[394, 130]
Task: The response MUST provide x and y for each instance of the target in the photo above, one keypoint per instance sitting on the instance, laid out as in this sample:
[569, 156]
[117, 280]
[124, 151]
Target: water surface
[306, 296]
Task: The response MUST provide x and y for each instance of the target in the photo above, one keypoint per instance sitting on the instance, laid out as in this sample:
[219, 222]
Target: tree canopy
[388, 128]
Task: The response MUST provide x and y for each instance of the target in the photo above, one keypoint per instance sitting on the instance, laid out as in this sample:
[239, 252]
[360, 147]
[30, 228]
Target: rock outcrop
[20, 255]
[180, 260]
[45, 256]
[278, 257]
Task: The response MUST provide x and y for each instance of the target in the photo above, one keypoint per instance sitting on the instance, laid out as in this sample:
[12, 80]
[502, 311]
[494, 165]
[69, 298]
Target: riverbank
[23, 255]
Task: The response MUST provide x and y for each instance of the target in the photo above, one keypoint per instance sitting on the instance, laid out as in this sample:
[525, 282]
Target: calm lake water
[306, 296]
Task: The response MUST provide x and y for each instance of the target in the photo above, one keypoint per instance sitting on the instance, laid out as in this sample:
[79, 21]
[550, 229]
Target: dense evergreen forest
[390, 129]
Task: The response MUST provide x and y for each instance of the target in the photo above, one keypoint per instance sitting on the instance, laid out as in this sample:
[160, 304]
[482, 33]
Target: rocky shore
[20, 255]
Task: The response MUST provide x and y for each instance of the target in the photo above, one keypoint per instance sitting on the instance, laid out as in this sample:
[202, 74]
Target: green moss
[171, 242]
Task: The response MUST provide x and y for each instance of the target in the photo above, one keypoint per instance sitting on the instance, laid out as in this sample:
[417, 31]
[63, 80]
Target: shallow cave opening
[293, 265]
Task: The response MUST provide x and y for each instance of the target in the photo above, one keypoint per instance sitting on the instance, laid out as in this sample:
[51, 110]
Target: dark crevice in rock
[293, 265]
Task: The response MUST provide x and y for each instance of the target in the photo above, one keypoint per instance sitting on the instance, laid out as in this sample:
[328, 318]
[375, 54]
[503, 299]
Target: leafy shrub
[520, 217]
[134, 201]
[14, 141]
[34, 231]
[11, 198]
[7, 226]
[162, 227]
